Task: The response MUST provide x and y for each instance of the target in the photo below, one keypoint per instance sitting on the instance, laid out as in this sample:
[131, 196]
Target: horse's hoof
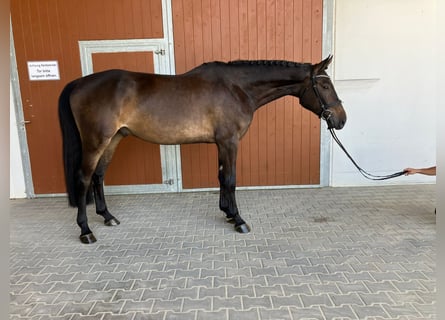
[87, 238]
[112, 222]
[243, 228]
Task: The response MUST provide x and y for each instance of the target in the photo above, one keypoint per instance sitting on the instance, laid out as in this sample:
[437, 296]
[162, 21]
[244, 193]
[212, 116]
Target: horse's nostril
[340, 124]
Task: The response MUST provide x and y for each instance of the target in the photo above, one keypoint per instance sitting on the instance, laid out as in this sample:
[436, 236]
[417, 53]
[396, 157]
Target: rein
[326, 114]
[363, 172]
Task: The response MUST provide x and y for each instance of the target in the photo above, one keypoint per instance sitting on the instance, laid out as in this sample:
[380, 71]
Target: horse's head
[319, 96]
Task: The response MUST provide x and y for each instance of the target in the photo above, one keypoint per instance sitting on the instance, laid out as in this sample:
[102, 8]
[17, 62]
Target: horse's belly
[173, 133]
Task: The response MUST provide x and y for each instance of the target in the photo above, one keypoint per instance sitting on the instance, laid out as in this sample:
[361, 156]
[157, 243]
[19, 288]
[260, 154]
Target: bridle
[325, 113]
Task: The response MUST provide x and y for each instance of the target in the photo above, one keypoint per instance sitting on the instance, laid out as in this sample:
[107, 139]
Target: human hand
[410, 171]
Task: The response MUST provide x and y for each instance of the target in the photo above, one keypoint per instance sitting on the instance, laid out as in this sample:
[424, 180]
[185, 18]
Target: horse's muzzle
[335, 117]
[336, 124]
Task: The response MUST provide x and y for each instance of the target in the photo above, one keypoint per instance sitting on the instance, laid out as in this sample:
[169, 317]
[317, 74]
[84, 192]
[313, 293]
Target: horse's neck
[263, 94]
[269, 83]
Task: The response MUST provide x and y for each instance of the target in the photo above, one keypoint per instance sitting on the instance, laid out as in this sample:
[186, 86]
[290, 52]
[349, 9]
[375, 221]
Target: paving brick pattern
[329, 253]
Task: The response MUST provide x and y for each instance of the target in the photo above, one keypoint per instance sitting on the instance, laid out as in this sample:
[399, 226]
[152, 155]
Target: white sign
[43, 70]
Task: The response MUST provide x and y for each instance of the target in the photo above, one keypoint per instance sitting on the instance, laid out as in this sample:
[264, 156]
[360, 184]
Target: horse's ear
[323, 65]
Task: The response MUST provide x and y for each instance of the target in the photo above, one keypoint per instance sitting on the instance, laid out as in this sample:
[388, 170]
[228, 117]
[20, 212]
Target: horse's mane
[283, 63]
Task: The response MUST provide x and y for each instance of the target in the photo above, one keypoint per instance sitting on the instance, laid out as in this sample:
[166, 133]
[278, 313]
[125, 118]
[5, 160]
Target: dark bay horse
[213, 103]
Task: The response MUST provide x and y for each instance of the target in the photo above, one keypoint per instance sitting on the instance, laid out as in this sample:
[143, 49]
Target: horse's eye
[325, 86]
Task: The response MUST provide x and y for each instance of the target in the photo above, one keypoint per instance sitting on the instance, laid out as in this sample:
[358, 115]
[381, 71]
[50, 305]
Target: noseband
[325, 113]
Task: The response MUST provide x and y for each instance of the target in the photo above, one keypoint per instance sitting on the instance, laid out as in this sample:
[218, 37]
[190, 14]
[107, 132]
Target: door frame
[328, 47]
[170, 154]
[17, 108]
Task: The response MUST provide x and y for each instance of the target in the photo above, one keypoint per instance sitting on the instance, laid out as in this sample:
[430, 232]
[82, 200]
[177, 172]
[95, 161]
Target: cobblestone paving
[330, 253]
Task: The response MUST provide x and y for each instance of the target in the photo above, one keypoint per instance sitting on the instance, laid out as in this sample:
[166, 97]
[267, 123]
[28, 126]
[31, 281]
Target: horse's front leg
[227, 179]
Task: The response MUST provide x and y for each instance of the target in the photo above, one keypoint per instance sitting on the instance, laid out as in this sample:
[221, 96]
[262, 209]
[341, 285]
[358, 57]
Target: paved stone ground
[331, 253]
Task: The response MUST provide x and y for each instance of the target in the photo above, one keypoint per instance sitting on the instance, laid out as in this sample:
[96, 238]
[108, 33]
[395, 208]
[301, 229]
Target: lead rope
[363, 172]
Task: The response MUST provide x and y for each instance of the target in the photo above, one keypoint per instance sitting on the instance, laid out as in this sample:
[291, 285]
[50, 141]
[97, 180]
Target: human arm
[431, 171]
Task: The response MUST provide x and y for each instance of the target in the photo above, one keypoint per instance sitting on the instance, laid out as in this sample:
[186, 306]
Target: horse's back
[108, 79]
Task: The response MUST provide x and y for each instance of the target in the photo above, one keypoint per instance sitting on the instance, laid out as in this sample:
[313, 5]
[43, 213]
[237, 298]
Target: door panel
[282, 146]
[199, 163]
[135, 161]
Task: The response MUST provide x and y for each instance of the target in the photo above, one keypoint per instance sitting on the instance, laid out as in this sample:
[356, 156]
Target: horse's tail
[72, 147]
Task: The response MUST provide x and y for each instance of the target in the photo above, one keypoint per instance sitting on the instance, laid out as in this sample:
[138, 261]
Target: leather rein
[326, 114]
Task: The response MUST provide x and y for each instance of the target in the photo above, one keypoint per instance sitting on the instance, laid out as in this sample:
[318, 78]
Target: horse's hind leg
[89, 162]
[98, 182]
[86, 235]
[227, 151]
[91, 157]
[99, 198]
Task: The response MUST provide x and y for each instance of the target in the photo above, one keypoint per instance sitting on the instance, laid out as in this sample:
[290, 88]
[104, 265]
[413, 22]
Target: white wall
[16, 176]
[385, 75]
